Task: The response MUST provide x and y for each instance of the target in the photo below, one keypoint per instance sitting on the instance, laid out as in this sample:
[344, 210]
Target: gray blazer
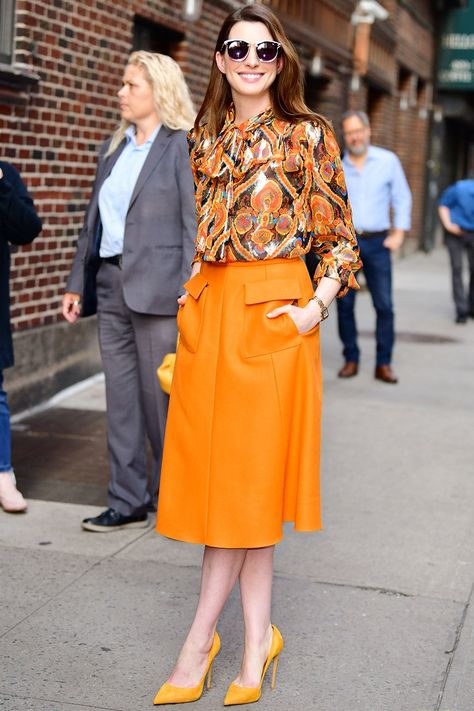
[160, 230]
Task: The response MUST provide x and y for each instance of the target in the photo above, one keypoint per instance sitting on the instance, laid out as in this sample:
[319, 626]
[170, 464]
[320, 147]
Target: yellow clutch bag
[165, 371]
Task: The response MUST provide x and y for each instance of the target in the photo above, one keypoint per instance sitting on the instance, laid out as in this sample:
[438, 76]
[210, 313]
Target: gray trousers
[457, 245]
[132, 347]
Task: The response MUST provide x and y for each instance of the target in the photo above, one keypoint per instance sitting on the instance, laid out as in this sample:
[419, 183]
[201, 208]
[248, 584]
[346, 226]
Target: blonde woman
[133, 255]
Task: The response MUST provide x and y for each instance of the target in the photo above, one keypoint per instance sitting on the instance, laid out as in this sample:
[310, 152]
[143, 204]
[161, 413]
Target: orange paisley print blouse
[269, 189]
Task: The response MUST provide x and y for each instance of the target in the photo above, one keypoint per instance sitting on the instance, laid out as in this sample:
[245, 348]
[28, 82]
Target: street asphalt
[375, 610]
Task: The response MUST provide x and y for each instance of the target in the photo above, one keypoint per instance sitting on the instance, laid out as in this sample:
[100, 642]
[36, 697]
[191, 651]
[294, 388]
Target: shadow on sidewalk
[60, 454]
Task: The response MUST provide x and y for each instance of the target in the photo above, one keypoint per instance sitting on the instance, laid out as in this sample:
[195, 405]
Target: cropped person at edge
[19, 225]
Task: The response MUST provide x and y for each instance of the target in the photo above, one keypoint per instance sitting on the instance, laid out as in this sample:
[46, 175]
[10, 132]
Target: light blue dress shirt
[379, 186]
[116, 192]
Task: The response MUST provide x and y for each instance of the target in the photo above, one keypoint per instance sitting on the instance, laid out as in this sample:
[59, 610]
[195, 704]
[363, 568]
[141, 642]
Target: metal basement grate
[407, 337]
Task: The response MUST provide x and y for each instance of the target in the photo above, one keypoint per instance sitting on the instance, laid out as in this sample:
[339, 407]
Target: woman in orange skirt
[242, 443]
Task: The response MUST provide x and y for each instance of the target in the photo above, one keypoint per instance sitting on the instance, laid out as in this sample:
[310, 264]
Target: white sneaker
[10, 498]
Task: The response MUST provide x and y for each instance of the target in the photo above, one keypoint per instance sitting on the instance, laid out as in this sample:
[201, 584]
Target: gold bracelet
[322, 306]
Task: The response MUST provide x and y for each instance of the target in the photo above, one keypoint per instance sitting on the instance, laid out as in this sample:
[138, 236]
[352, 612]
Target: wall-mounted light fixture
[403, 102]
[316, 66]
[192, 10]
[364, 15]
[409, 94]
[368, 11]
[355, 82]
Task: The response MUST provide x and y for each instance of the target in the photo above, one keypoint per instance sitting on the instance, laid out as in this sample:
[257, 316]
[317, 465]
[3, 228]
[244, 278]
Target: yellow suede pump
[169, 694]
[246, 695]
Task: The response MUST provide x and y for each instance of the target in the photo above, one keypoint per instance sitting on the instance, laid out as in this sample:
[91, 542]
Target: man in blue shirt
[377, 187]
[456, 212]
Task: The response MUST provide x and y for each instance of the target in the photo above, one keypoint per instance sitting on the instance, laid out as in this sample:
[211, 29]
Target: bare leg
[255, 580]
[220, 569]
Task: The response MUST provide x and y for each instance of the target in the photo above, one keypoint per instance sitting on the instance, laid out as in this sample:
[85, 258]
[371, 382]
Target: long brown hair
[286, 92]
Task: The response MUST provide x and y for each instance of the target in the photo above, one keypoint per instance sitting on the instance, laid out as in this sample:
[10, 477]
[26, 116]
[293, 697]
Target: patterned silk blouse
[269, 189]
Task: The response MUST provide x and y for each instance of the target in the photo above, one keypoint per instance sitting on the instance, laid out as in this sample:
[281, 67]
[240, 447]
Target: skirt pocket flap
[195, 285]
[257, 292]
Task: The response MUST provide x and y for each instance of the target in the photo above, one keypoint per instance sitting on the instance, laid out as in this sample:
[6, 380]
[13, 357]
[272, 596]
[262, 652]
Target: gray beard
[358, 151]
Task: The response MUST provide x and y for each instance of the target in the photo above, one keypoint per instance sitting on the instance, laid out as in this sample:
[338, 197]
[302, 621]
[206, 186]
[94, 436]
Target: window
[153, 37]
[7, 13]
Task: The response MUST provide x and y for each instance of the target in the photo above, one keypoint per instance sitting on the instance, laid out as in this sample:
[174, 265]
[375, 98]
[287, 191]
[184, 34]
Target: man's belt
[379, 233]
[116, 260]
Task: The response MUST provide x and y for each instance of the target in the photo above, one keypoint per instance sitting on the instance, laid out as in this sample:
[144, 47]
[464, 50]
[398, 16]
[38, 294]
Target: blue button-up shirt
[116, 192]
[459, 198]
[376, 188]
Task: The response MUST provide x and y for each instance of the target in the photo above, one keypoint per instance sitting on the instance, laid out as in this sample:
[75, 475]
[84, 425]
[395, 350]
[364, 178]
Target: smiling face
[136, 96]
[250, 78]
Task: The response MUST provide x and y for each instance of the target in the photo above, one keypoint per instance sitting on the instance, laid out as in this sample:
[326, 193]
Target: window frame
[7, 26]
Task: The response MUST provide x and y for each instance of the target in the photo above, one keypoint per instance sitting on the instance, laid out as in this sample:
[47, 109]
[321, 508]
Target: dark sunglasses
[238, 50]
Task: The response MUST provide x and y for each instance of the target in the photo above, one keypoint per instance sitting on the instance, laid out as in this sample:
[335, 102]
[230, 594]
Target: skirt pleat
[242, 445]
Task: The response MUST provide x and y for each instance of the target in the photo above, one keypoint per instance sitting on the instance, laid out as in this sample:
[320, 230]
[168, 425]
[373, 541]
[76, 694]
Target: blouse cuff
[343, 273]
[197, 258]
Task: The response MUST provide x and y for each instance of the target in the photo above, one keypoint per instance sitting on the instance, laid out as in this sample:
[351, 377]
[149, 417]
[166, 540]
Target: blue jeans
[377, 267]
[5, 438]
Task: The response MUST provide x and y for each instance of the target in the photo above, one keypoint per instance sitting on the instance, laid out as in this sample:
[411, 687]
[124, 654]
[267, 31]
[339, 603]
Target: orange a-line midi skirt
[242, 444]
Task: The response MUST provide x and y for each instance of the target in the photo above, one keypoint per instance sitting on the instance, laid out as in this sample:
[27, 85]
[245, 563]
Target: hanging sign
[456, 51]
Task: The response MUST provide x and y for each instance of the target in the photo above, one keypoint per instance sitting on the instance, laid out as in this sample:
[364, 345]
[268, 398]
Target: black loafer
[112, 520]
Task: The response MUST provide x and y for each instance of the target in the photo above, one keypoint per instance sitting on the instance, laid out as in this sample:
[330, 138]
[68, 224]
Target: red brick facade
[53, 131]
[52, 125]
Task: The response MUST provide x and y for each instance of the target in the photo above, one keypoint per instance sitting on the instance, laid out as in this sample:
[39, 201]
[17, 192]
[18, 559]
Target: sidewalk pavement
[375, 609]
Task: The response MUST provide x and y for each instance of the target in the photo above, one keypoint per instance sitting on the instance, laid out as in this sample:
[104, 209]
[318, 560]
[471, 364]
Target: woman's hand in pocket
[305, 318]
[195, 270]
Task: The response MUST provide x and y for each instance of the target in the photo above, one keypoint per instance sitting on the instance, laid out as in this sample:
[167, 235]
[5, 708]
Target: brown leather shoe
[385, 373]
[349, 369]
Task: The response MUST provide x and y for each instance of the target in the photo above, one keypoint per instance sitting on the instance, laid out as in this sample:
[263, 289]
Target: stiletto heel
[209, 677]
[169, 694]
[246, 695]
[275, 664]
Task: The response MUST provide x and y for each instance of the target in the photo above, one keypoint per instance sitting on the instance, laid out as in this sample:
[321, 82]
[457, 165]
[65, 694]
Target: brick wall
[51, 130]
[53, 134]
[415, 56]
[329, 99]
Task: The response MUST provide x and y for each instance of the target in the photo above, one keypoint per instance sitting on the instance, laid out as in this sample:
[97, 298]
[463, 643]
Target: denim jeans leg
[470, 256]
[377, 261]
[347, 326]
[5, 437]
[455, 245]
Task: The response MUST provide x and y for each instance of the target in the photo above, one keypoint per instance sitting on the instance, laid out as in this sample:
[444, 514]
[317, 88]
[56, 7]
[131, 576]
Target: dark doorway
[152, 37]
